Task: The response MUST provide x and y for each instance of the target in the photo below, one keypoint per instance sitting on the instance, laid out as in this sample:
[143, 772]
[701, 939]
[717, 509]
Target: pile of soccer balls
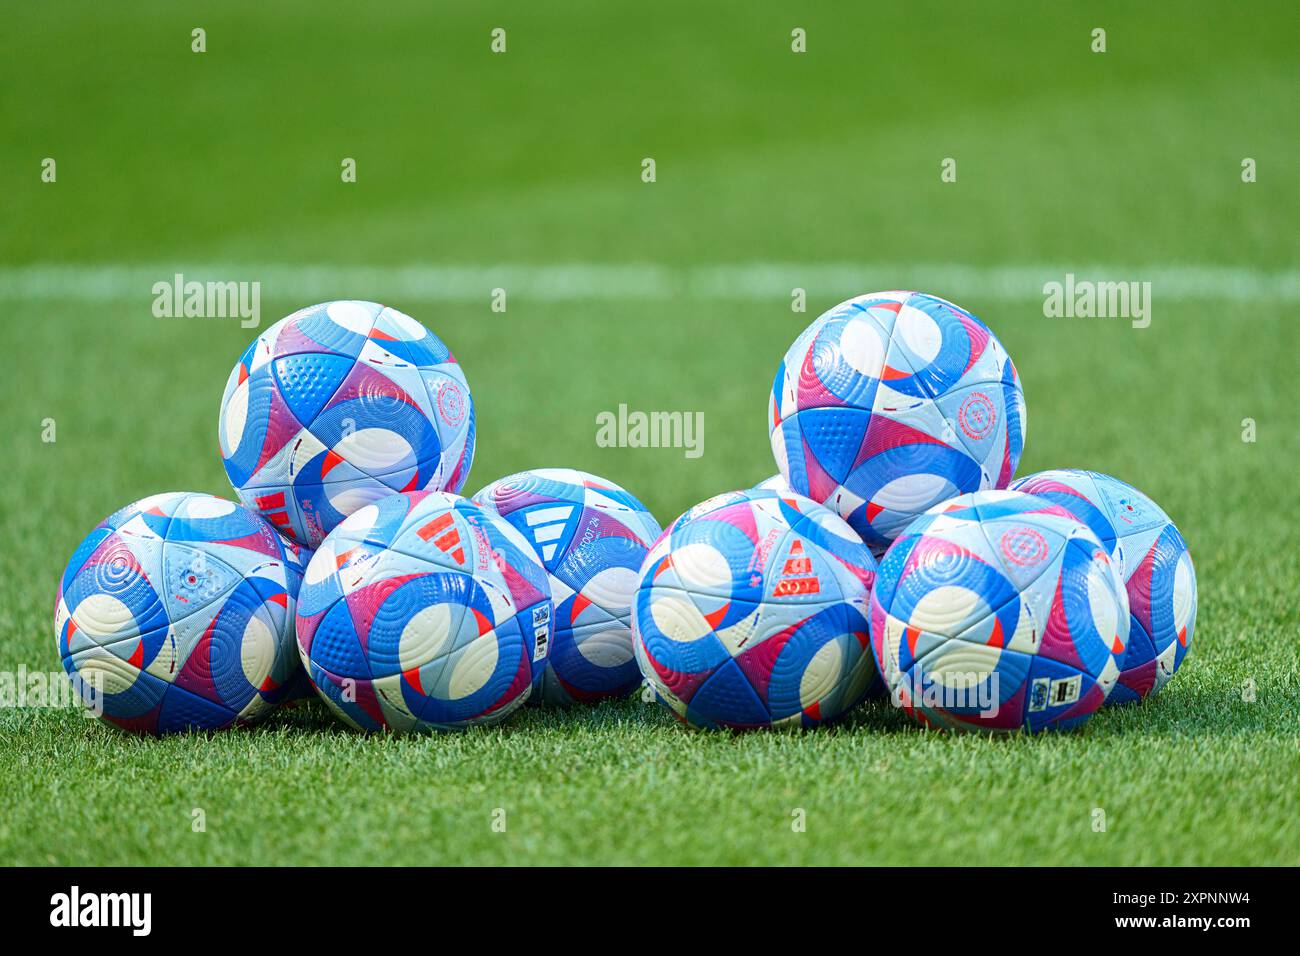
[354, 567]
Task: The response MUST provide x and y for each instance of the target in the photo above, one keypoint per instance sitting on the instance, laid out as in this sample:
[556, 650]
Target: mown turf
[1068, 158]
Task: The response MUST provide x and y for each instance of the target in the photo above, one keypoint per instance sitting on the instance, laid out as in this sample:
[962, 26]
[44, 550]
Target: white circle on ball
[235, 417]
[425, 636]
[475, 666]
[610, 647]
[912, 494]
[919, 332]
[102, 615]
[701, 565]
[777, 439]
[862, 348]
[205, 506]
[612, 589]
[677, 617]
[375, 449]
[410, 328]
[257, 651]
[963, 665]
[323, 563]
[159, 501]
[1102, 602]
[1184, 591]
[822, 674]
[106, 672]
[947, 610]
[352, 316]
[359, 523]
[345, 499]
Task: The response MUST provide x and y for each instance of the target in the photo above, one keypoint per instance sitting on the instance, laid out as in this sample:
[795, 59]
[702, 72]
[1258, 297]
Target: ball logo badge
[977, 416]
[451, 403]
[1127, 513]
[1023, 546]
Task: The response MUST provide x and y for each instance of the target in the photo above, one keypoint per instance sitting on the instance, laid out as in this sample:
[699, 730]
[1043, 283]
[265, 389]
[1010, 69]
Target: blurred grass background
[1066, 159]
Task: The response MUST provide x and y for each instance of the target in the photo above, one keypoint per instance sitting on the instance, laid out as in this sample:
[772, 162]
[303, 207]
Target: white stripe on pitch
[574, 282]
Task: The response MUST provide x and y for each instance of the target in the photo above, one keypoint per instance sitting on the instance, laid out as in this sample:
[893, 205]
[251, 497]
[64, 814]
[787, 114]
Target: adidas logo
[273, 510]
[446, 538]
[797, 574]
[546, 526]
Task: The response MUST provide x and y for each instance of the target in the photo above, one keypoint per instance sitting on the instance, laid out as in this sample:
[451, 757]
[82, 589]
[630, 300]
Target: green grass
[1066, 158]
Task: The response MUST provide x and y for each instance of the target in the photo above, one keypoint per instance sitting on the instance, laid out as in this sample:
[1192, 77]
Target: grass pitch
[1066, 159]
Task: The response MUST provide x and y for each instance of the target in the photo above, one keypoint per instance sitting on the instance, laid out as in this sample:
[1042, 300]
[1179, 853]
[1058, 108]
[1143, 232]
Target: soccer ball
[337, 406]
[891, 403]
[176, 613]
[424, 611]
[998, 611]
[1153, 561]
[752, 612]
[592, 537]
